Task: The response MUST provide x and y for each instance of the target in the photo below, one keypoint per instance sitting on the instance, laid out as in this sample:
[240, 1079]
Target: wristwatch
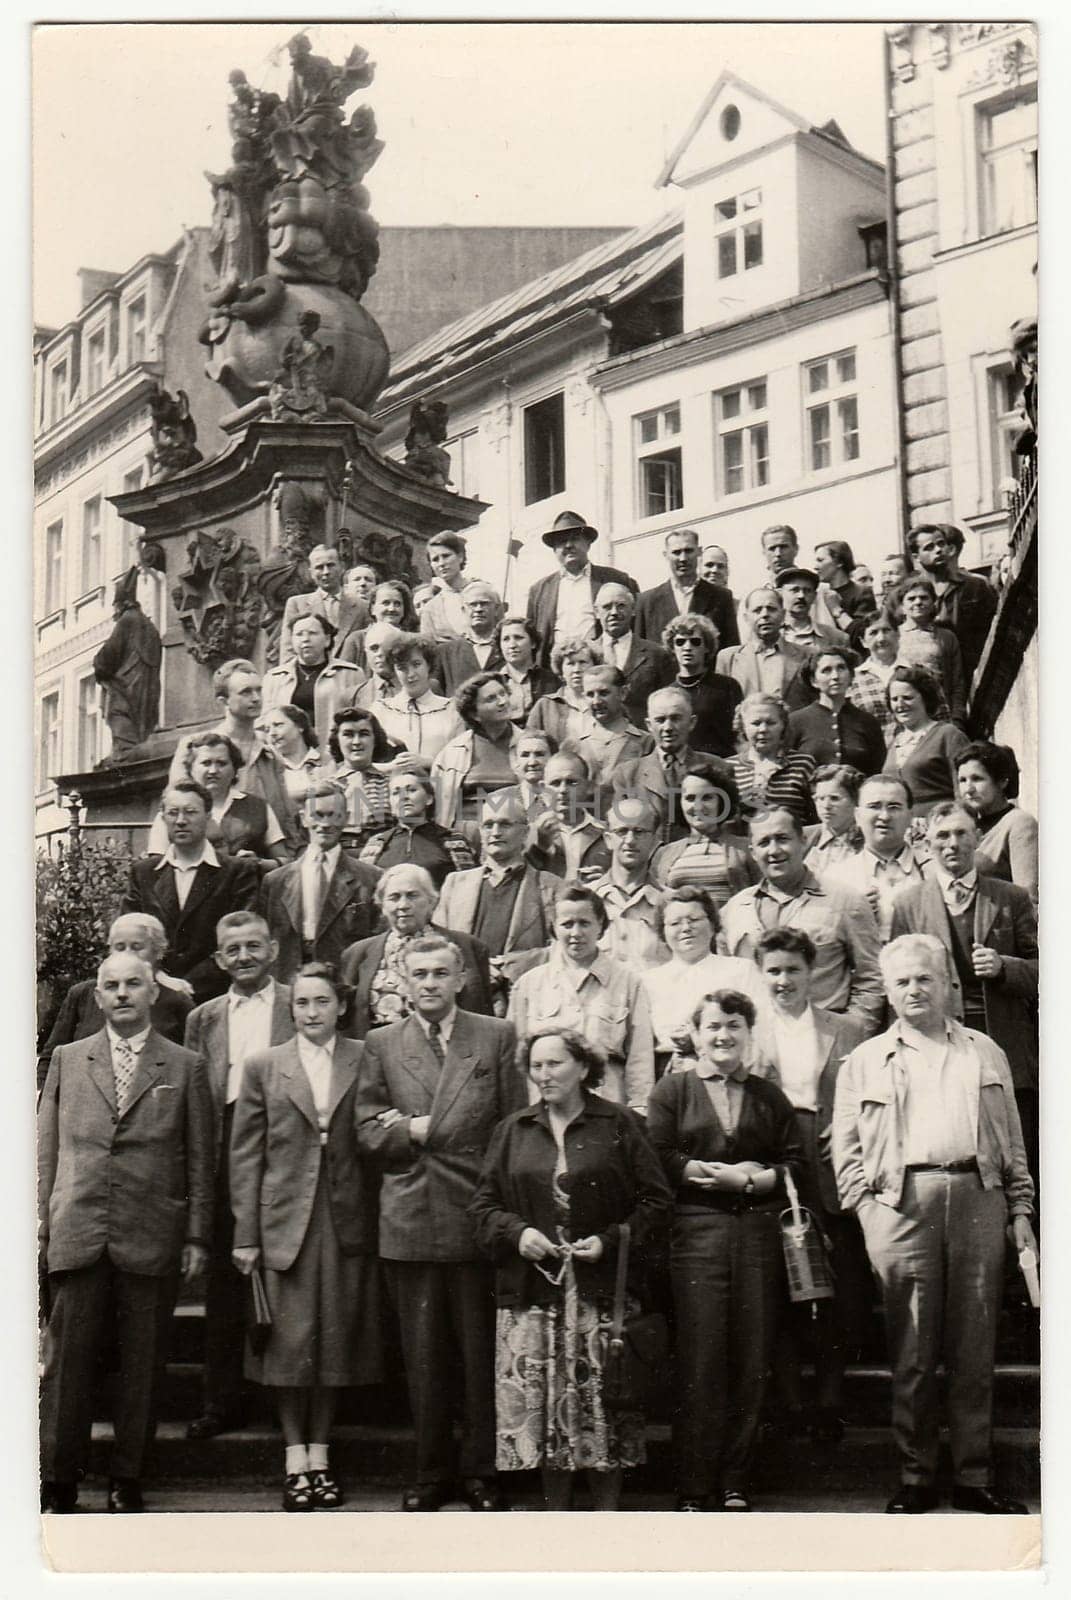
[749, 1187]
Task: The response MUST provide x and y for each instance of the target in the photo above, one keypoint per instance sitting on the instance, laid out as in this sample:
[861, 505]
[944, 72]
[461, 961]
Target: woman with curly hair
[415, 716]
[478, 760]
[563, 713]
[359, 747]
[769, 775]
[315, 1241]
[988, 779]
[923, 752]
[240, 823]
[692, 641]
[560, 1178]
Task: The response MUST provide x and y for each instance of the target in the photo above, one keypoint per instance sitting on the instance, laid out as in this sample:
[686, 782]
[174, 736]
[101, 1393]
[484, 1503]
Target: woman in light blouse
[290, 735]
[689, 926]
[477, 761]
[525, 682]
[358, 745]
[575, 985]
[725, 1138]
[923, 752]
[710, 858]
[988, 778]
[315, 1242]
[767, 773]
[836, 838]
[240, 823]
[415, 716]
[563, 713]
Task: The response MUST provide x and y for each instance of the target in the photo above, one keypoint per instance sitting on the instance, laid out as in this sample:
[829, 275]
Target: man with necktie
[125, 1163]
[328, 600]
[990, 930]
[928, 1153]
[644, 664]
[190, 887]
[323, 902]
[252, 1016]
[670, 721]
[432, 1090]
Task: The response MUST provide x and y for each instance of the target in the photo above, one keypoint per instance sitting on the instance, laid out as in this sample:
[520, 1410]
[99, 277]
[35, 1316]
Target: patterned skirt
[548, 1391]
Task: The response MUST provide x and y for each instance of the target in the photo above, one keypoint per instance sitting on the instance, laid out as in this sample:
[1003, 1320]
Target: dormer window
[59, 392]
[135, 331]
[738, 233]
[95, 362]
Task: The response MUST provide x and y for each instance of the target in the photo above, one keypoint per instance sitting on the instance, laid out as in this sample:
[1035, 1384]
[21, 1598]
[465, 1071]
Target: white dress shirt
[941, 1106]
[186, 871]
[575, 618]
[310, 911]
[446, 1025]
[136, 1042]
[798, 1064]
[682, 598]
[248, 1031]
[481, 649]
[317, 1060]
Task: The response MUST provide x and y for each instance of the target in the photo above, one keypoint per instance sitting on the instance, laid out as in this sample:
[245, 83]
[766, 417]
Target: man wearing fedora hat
[562, 606]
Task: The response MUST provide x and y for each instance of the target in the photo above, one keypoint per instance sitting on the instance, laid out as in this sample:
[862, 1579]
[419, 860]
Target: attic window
[730, 123]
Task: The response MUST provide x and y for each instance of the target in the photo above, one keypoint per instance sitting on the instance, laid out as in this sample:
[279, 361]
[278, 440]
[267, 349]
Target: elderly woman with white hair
[406, 896]
[135, 934]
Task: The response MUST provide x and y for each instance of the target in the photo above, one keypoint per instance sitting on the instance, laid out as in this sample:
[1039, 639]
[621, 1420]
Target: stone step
[376, 1457]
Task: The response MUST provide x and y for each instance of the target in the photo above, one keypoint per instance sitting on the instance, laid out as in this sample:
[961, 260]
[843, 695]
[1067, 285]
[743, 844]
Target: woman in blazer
[305, 1210]
[558, 1180]
[725, 1138]
[988, 779]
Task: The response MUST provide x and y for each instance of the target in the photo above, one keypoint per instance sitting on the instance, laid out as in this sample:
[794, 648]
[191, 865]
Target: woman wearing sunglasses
[559, 1178]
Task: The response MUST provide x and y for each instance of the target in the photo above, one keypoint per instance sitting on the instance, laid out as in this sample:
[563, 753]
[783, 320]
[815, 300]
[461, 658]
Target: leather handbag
[636, 1365]
[260, 1322]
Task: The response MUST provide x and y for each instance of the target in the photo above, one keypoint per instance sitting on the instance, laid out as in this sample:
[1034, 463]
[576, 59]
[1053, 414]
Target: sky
[484, 123]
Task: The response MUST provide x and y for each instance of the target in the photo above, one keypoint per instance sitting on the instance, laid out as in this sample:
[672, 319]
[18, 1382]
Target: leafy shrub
[78, 895]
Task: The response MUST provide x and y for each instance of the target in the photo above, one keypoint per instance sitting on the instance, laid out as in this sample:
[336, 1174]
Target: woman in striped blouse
[767, 775]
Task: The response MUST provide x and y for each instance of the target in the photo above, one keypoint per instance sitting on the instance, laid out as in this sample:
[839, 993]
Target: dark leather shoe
[988, 1501]
[211, 1423]
[59, 1497]
[426, 1497]
[479, 1495]
[911, 1499]
[124, 1494]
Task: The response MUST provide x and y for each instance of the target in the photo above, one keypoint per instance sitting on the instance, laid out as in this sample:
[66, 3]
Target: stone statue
[292, 233]
[424, 454]
[286, 568]
[174, 434]
[216, 597]
[127, 666]
[299, 391]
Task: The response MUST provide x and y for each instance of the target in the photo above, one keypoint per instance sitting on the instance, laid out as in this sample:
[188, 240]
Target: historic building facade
[726, 366]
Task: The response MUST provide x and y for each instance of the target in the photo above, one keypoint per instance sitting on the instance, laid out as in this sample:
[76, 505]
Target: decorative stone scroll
[216, 597]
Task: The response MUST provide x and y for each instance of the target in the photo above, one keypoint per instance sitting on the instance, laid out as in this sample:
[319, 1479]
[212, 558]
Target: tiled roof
[602, 276]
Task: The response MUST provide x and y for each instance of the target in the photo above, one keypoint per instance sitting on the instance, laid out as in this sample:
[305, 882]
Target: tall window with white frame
[48, 739]
[89, 723]
[659, 471]
[59, 392]
[1006, 421]
[831, 404]
[53, 561]
[135, 331]
[544, 449]
[742, 425]
[92, 545]
[95, 361]
[464, 452]
[1008, 157]
[738, 233]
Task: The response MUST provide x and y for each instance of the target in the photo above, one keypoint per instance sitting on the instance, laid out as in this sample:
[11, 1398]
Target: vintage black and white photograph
[535, 715]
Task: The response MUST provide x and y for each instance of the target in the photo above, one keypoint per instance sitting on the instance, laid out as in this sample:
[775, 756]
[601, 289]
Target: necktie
[319, 890]
[124, 1065]
[435, 1039]
[959, 896]
[413, 726]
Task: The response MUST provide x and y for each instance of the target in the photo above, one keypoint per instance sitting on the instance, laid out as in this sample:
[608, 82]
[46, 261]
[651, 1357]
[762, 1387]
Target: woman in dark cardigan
[923, 752]
[724, 1138]
[832, 729]
[559, 1178]
[692, 641]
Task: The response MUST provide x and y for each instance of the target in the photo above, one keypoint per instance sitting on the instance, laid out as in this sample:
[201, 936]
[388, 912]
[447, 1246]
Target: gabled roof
[603, 276]
[828, 130]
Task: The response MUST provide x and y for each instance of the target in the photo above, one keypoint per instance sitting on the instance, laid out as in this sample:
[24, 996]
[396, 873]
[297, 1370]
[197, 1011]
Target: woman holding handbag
[725, 1139]
[560, 1178]
[305, 1210]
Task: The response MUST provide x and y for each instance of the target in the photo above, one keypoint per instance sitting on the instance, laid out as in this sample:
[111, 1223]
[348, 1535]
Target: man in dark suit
[431, 1092]
[323, 902]
[965, 602]
[646, 666]
[562, 606]
[670, 721]
[685, 591]
[252, 1016]
[125, 1147]
[190, 887]
[406, 896]
[990, 930]
[346, 616]
[478, 649]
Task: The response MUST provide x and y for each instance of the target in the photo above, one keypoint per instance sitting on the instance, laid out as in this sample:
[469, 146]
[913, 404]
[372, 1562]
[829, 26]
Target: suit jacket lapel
[985, 911]
[462, 1058]
[298, 1086]
[338, 893]
[203, 882]
[418, 1058]
[527, 909]
[291, 895]
[343, 1071]
[217, 1044]
[150, 1064]
[99, 1067]
[282, 1024]
[465, 898]
[163, 885]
